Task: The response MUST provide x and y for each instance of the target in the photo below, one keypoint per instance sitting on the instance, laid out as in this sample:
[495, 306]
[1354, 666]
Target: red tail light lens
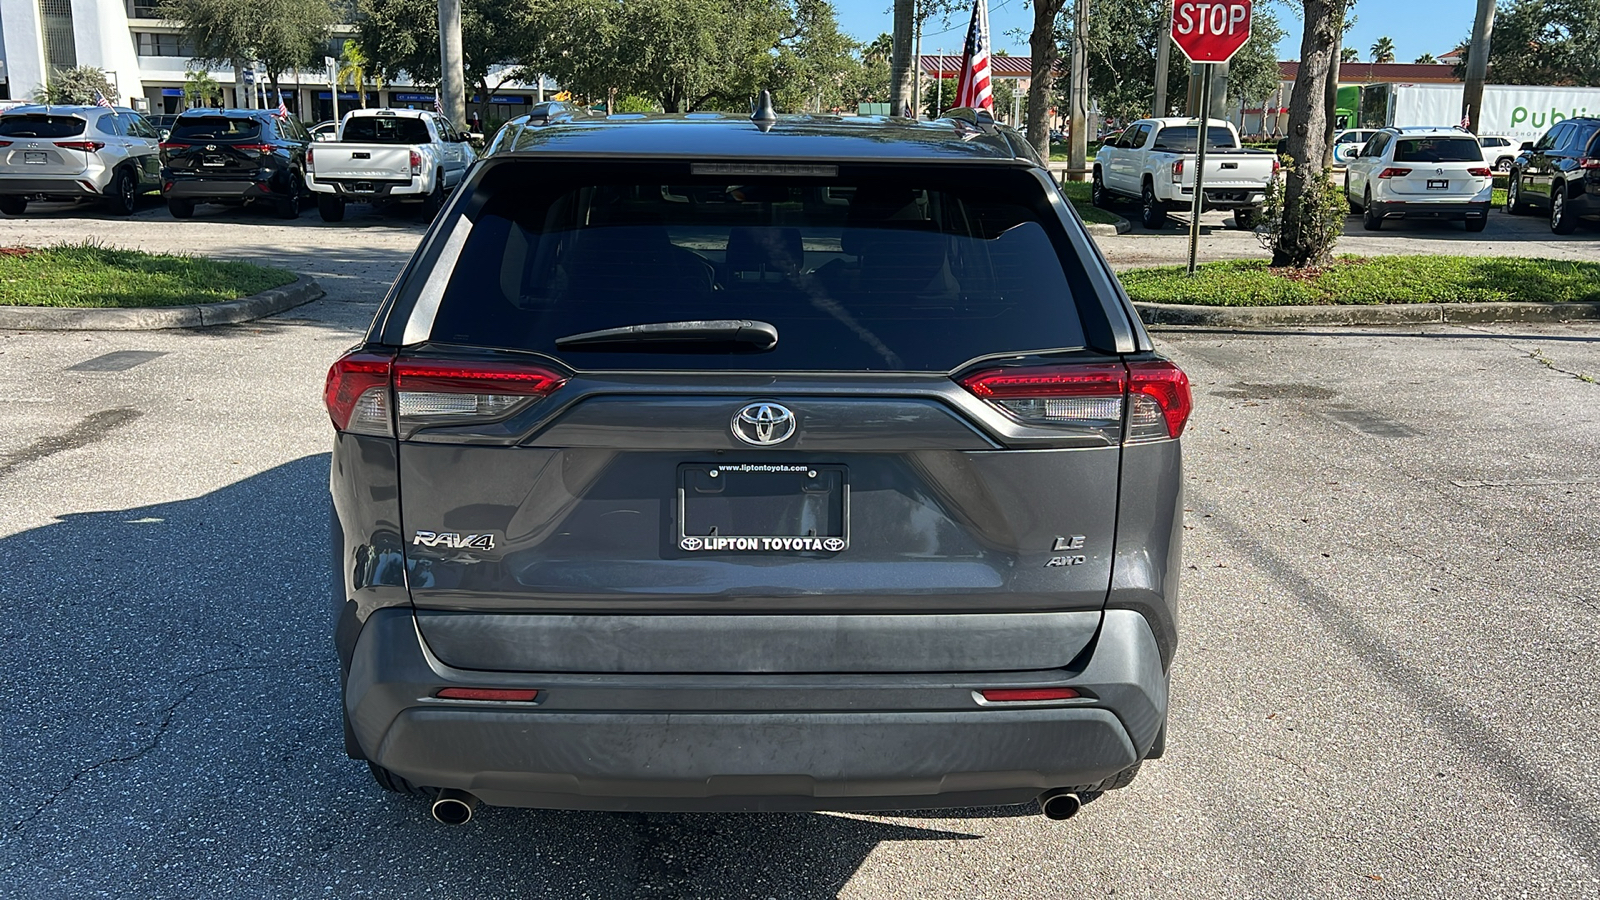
[501, 694]
[447, 393]
[357, 393]
[1154, 394]
[1480, 173]
[5, 143]
[1276, 166]
[310, 155]
[1177, 170]
[259, 148]
[416, 163]
[90, 146]
[1024, 695]
[1392, 172]
[1160, 397]
[1589, 163]
[169, 145]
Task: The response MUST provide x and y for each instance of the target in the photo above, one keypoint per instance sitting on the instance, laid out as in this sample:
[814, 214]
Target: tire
[289, 207]
[1152, 212]
[1098, 195]
[1562, 221]
[434, 201]
[1246, 219]
[1477, 224]
[1515, 205]
[13, 206]
[331, 208]
[122, 193]
[1370, 220]
[180, 209]
[389, 781]
[1503, 164]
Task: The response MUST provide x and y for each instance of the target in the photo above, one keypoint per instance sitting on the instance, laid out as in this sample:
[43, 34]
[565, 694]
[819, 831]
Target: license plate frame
[35, 158]
[765, 508]
[1438, 184]
[217, 161]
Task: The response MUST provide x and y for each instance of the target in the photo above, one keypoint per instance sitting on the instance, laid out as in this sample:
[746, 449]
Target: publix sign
[1539, 121]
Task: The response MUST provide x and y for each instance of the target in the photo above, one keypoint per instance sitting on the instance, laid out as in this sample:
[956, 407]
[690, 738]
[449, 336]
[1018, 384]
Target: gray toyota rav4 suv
[708, 463]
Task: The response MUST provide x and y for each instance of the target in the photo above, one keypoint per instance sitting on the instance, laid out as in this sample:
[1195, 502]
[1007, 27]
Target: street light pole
[451, 68]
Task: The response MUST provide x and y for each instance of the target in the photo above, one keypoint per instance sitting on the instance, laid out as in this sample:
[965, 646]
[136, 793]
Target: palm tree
[881, 48]
[1383, 50]
[200, 89]
[354, 69]
[1349, 54]
[1427, 59]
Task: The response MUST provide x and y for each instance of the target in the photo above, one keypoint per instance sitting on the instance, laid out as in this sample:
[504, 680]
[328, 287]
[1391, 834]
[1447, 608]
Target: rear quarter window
[876, 269]
[41, 126]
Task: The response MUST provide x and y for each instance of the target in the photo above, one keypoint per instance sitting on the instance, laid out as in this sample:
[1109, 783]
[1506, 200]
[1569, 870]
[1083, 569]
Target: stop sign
[1210, 31]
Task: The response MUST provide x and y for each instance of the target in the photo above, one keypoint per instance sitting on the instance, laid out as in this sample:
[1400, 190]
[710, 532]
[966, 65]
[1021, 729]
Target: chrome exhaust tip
[1062, 806]
[453, 807]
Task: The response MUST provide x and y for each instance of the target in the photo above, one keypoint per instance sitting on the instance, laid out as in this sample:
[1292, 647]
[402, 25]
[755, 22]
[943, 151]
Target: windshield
[385, 130]
[1438, 149]
[41, 126]
[214, 128]
[880, 271]
[1181, 139]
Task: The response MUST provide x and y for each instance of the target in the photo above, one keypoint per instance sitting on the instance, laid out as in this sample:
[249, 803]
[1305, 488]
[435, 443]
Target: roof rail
[981, 119]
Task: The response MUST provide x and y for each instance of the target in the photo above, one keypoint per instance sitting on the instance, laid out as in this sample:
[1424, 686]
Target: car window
[1181, 138]
[112, 125]
[141, 127]
[1438, 149]
[1572, 138]
[875, 269]
[1349, 137]
[386, 130]
[214, 128]
[1550, 137]
[1141, 133]
[40, 126]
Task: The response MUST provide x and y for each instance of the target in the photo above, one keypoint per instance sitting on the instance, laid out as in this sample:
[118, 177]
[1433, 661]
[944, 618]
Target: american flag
[973, 88]
[100, 100]
[437, 106]
[283, 111]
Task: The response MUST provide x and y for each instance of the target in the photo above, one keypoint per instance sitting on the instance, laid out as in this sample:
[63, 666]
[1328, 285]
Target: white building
[147, 60]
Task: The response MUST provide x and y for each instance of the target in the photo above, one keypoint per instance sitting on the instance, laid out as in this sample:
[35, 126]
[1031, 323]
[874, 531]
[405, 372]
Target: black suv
[702, 463]
[1561, 173]
[235, 156]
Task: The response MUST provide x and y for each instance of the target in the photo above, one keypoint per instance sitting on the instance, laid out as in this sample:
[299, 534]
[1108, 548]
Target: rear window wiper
[705, 335]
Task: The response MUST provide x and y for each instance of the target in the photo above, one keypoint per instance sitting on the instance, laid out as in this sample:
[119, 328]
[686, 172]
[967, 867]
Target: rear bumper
[1227, 197]
[200, 189]
[754, 742]
[1423, 209]
[363, 190]
[69, 186]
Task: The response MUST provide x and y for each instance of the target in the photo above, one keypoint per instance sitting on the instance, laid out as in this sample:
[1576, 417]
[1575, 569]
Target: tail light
[369, 393]
[416, 163]
[310, 156]
[1177, 171]
[1589, 162]
[1276, 166]
[1480, 173]
[90, 146]
[169, 145]
[1027, 695]
[1392, 172]
[1148, 401]
[5, 143]
[259, 148]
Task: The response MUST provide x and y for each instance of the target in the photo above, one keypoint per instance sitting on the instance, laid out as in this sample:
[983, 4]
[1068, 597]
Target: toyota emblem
[763, 424]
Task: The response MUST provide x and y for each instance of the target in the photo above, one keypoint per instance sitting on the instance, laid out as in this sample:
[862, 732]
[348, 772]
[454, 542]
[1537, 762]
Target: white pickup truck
[1154, 160]
[385, 156]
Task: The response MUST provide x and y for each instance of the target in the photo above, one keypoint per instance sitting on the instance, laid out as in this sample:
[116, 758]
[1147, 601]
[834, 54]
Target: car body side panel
[369, 564]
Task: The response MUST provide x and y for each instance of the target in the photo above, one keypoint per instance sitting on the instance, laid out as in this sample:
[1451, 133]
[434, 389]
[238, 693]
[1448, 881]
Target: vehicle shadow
[172, 729]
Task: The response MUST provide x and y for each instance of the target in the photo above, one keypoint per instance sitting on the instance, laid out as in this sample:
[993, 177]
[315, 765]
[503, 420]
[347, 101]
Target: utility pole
[453, 94]
[1163, 61]
[1477, 65]
[1078, 152]
[900, 62]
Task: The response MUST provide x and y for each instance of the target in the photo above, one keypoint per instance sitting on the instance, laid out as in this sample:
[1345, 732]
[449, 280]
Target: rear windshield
[214, 128]
[1181, 139]
[385, 130]
[1438, 149]
[872, 269]
[41, 126]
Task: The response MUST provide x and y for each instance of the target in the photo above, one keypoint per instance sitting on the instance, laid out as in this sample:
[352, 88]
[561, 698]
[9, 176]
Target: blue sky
[1417, 26]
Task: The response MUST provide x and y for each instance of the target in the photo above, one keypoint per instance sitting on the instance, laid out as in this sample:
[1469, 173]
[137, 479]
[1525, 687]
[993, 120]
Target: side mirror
[1354, 152]
[1527, 145]
[165, 133]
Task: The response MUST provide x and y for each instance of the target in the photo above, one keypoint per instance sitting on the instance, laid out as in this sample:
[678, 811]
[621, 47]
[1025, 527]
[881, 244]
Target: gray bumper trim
[704, 742]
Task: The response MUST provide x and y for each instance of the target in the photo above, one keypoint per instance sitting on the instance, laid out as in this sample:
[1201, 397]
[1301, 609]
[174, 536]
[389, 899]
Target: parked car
[710, 464]
[162, 121]
[1420, 173]
[388, 156]
[235, 156]
[1154, 160]
[1500, 150]
[326, 130]
[1348, 141]
[76, 153]
[1560, 173]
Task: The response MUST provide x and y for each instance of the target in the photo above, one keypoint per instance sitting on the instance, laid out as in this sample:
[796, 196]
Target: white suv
[76, 153]
[1420, 173]
[1501, 150]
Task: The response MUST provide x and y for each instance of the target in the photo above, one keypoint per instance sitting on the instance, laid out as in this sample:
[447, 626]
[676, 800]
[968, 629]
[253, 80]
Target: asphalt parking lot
[1388, 683]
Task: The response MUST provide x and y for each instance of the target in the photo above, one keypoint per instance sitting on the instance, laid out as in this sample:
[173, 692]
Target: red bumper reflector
[522, 696]
[1013, 695]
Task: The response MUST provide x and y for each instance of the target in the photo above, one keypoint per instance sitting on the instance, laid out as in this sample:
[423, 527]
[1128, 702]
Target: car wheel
[1477, 224]
[289, 207]
[434, 201]
[1561, 221]
[1152, 213]
[1503, 164]
[1370, 219]
[1515, 205]
[121, 193]
[389, 781]
[13, 206]
[1246, 219]
[1097, 192]
[330, 208]
[180, 209]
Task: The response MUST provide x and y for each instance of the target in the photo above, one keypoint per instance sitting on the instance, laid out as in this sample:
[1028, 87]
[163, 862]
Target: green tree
[354, 69]
[281, 34]
[402, 36]
[76, 86]
[1383, 50]
[1544, 42]
[1349, 54]
[1253, 73]
[881, 48]
[200, 89]
[814, 64]
[1301, 238]
[1426, 59]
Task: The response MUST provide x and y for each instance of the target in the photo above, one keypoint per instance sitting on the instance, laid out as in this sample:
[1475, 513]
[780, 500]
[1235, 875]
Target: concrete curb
[1121, 226]
[1386, 314]
[53, 318]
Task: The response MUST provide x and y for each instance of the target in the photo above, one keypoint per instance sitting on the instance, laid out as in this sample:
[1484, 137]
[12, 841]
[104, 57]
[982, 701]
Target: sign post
[332, 65]
[1208, 32]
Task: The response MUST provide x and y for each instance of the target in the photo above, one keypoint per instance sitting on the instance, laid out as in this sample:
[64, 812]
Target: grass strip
[1078, 193]
[91, 275]
[1358, 280]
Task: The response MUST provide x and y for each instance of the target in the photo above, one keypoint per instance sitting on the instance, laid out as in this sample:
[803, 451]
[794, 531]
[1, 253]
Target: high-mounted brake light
[1154, 394]
[416, 163]
[357, 393]
[1393, 172]
[90, 146]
